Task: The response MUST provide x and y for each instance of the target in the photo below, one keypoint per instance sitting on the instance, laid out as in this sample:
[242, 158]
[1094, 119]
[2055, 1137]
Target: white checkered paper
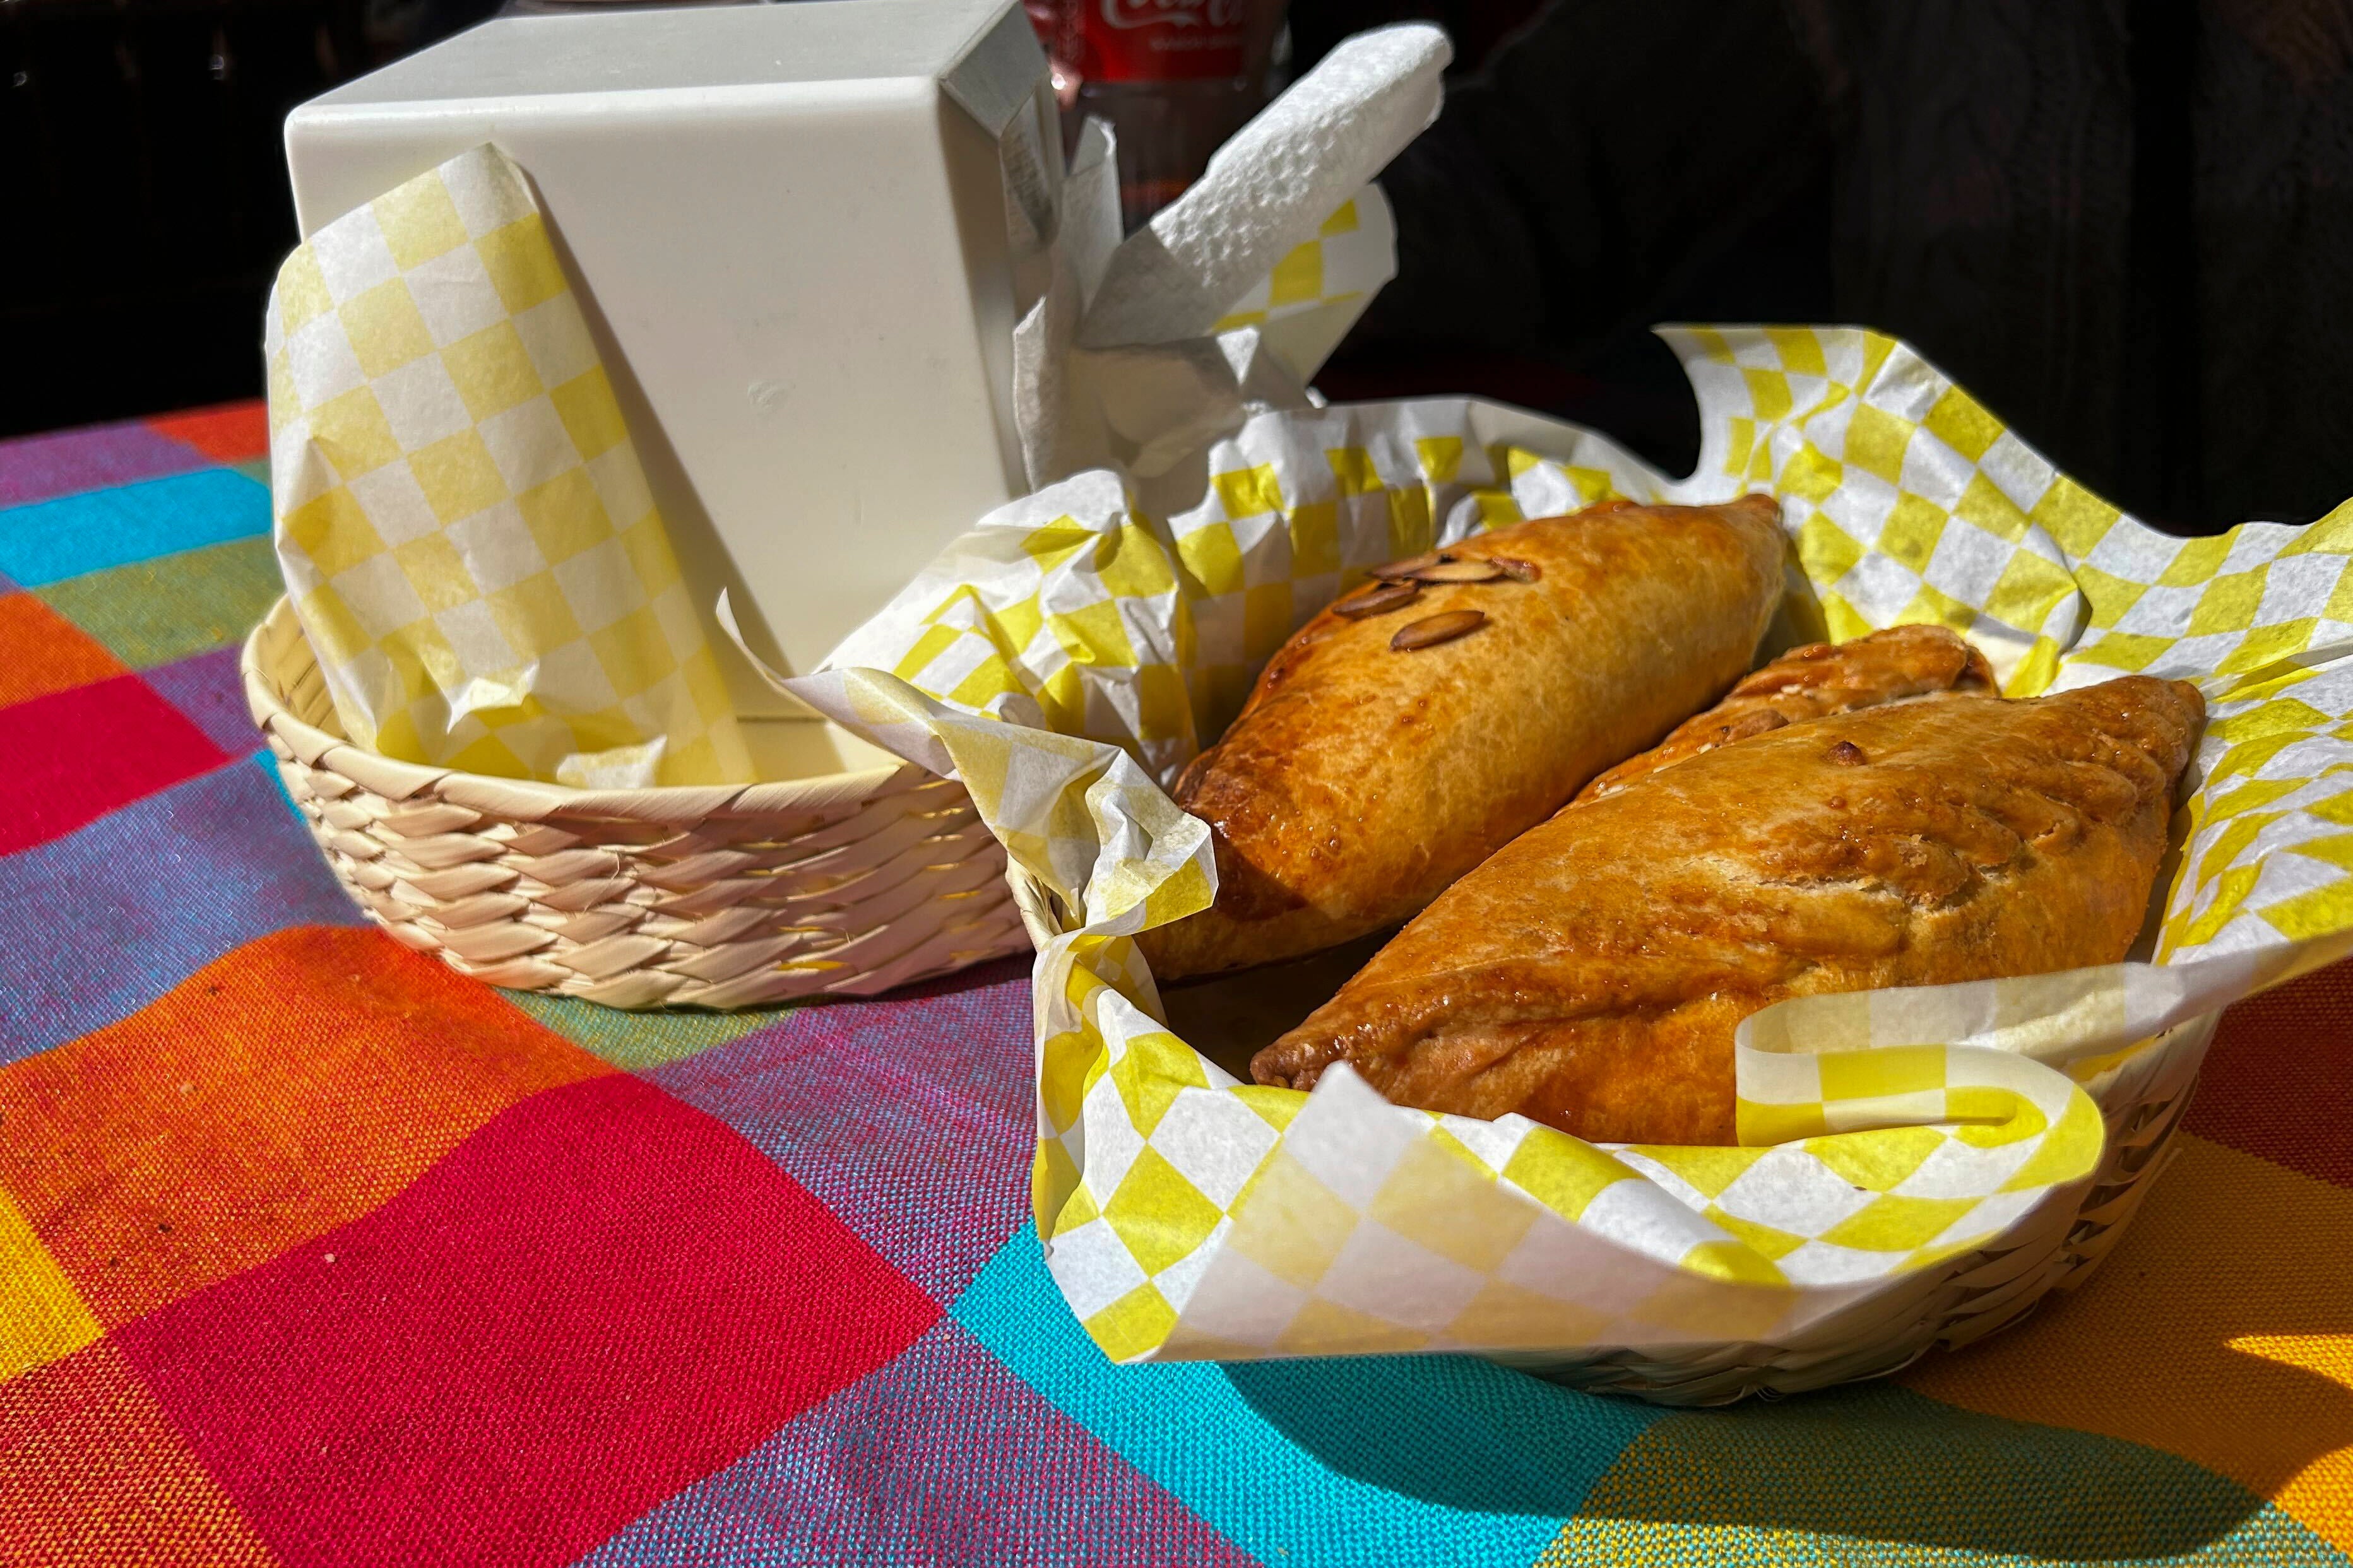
[1069, 655]
[461, 519]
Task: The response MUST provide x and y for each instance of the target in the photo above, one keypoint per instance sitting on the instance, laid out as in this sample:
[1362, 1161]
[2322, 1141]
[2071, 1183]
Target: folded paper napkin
[462, 522]
[1072, 653]
[463, 525]
[1143, 351]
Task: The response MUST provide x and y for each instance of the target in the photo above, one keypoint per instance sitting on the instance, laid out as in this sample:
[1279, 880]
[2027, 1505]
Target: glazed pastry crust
[1812, 682]
[1591, 974]
[1359, 782]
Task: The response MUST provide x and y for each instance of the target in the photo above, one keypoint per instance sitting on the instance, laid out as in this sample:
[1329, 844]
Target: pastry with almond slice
[1416, 726]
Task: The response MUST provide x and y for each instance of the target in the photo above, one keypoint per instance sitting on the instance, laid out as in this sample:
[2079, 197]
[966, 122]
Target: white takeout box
[802, 234]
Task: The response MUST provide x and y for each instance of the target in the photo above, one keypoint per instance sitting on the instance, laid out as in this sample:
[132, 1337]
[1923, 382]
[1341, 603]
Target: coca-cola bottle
[1174, 78]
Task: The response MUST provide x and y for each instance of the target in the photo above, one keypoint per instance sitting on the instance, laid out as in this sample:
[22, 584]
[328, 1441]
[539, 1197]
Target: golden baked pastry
[1421, 723]
[1591, 974]
[1812, 682]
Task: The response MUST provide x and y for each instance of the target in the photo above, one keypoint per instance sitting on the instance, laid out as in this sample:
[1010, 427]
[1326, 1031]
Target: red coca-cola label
[1155, 40]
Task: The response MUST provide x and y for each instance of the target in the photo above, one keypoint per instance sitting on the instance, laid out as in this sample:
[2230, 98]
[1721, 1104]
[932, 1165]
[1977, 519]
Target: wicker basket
[1961, 1299]
[730, 896]
[1946, 1305]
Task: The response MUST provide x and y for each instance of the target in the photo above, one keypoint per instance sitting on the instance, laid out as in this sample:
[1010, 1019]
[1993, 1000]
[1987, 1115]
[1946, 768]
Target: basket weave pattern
[1946, 1305]
[728, 896]
[1957, 1301]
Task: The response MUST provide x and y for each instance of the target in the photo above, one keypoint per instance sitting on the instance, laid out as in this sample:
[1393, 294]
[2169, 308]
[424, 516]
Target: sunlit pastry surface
[1591, 974]
[1418, 724]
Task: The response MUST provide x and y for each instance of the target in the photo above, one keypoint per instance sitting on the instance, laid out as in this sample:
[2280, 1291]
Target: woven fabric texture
[313, 1252]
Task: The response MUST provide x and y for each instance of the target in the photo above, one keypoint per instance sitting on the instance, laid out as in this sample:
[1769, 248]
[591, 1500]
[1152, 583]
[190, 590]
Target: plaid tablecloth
[313, 1252]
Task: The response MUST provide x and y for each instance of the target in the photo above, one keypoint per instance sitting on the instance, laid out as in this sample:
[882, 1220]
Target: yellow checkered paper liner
[1352, 255]
[461, 517]
[1071, 652]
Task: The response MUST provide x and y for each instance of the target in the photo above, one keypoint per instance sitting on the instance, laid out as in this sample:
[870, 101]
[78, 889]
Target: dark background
[144, 186]
[2125, 224]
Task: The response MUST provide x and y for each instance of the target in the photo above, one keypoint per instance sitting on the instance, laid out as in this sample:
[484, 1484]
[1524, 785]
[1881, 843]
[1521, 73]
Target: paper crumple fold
[1143, 350]
[1071, 652]
[464, 528]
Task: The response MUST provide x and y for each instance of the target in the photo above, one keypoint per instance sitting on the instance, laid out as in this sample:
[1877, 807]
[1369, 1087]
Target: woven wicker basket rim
[1951, 1302]
[272, 707]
